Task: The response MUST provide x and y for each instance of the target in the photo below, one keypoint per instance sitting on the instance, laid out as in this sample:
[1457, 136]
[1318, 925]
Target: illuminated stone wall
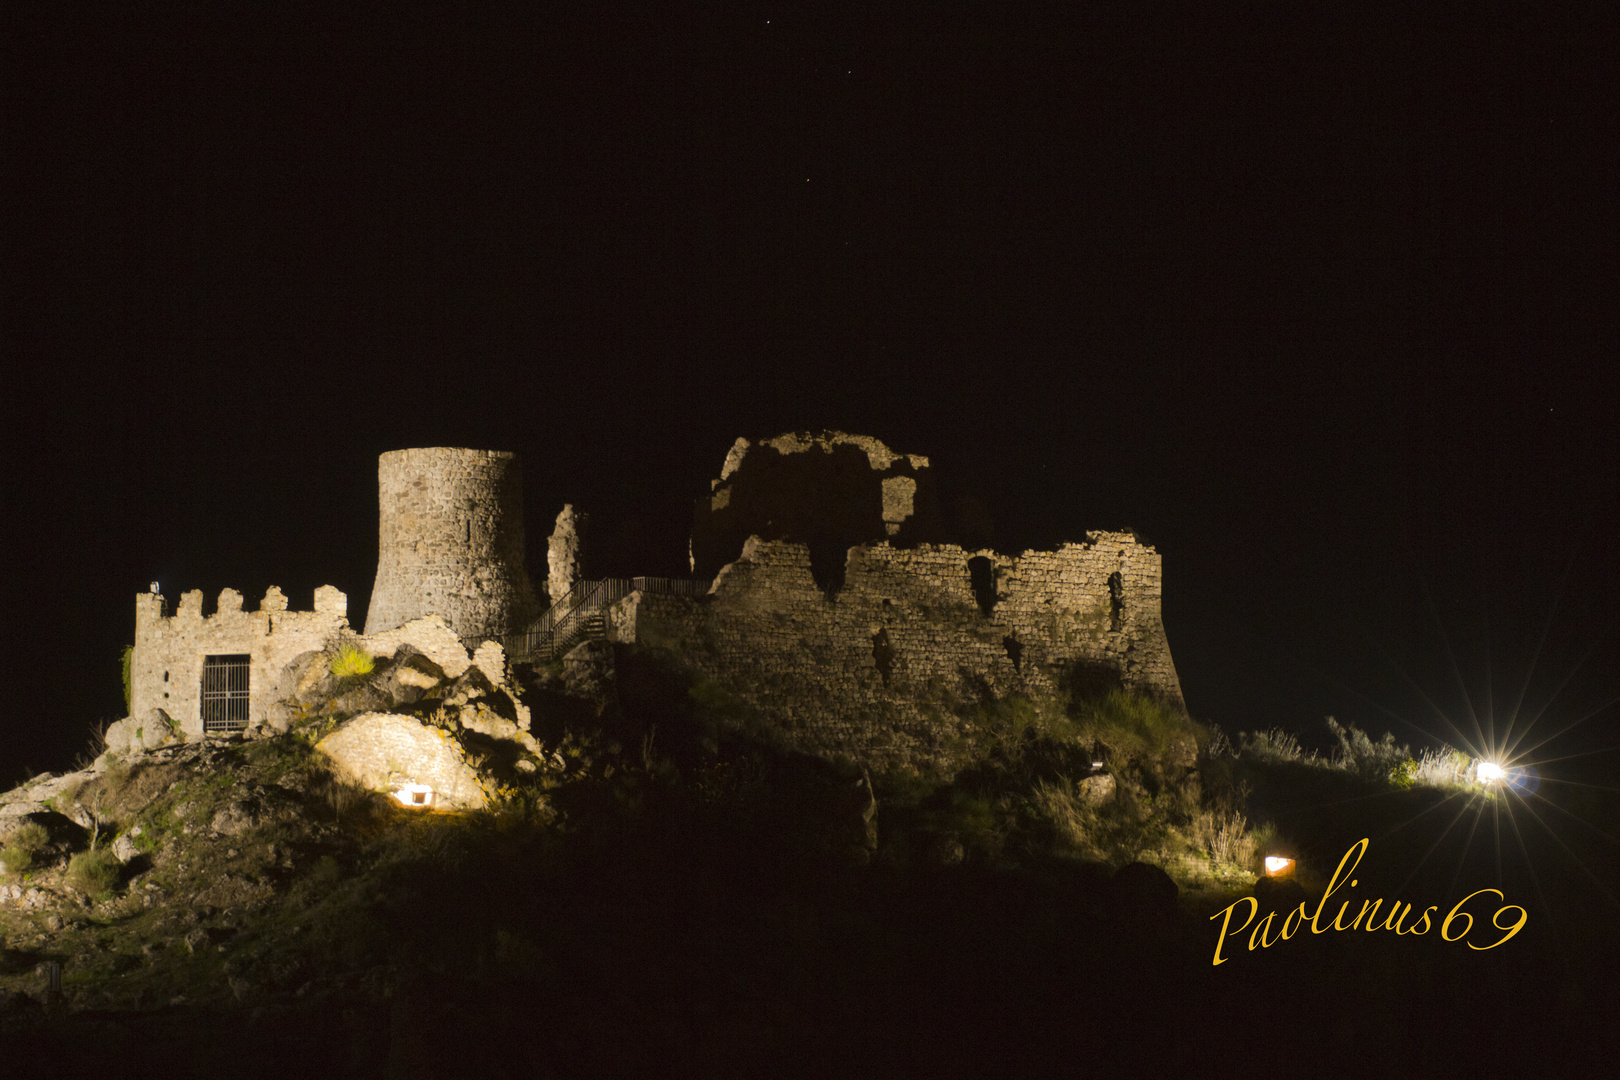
[166, 668]
[827, 489]
[880, 670]
[450, 542]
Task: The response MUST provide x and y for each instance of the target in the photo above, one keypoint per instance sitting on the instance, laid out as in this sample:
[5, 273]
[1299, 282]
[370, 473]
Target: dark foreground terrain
[634, 927]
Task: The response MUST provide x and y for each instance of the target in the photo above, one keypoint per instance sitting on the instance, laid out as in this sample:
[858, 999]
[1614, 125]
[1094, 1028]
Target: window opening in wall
[1116, 600]
[225, 692]
[883, 654]
[982, 576]
[1015, 651]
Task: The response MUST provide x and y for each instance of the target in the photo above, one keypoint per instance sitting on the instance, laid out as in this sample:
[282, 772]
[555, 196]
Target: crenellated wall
[166, 668]
[875, 671]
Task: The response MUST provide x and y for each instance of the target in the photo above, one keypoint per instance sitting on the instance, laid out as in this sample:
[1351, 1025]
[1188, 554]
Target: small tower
[450, 542]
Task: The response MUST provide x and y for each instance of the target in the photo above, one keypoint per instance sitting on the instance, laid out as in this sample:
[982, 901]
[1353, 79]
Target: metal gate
[225, 692]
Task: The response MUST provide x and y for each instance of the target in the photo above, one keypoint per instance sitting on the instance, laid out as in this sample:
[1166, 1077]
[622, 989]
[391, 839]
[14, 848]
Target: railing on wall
[581, 614]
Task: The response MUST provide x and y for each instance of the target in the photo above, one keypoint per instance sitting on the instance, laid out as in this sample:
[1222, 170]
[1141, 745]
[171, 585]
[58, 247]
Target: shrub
[115, 776]
[1372, 762]
[32, 836]
[1261, 840]
[349, 661]
[129, 655]
[1008, 723]
[1122, 830]
[326, 872]
[19, 852]
[1134, 723]
[94, 872]
[344, 796]
[87, 757]
[1277, 746]
[1442, 768]
[1223, 835]
[1059, 803]
[1219, 747]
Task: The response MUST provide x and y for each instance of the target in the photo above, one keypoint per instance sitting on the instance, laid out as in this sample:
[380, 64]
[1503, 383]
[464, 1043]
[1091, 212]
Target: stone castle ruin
[827, 609]
[839, 621]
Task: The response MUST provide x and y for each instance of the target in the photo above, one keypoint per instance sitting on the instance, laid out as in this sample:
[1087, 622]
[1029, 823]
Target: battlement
[195, 673]
[150, 606]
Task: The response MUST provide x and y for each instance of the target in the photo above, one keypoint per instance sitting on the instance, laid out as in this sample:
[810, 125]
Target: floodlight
[1490, 771]
[1277, 866]
[416, 796]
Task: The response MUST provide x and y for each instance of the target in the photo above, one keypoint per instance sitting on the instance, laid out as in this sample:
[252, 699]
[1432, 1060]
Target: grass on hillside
[1379, 763]
[23, 847]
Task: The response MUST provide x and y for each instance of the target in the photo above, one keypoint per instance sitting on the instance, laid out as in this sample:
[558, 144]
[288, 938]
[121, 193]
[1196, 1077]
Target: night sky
[1326, 313]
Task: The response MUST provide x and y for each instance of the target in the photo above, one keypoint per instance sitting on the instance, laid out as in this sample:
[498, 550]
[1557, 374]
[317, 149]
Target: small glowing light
[1490, 771]
[416, 796]
[1276, 865]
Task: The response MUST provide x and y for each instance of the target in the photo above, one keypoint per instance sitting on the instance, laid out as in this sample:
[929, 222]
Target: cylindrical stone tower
[450, 542]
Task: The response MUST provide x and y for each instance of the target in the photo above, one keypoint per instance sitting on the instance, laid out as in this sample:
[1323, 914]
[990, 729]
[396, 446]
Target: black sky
[1327, 313]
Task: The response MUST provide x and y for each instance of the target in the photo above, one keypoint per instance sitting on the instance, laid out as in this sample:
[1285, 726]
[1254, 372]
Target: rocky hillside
[638, 902]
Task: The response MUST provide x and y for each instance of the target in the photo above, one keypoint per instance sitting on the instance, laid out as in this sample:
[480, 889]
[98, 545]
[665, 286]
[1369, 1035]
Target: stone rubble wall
[450, 542]
[828, 488]
[808, 666]
[166, 668]
[565, 552]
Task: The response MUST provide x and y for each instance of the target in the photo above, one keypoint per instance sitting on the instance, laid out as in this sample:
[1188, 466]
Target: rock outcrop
[388, 752]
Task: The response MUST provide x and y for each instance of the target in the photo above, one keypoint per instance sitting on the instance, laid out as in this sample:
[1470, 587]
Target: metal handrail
[571, 618]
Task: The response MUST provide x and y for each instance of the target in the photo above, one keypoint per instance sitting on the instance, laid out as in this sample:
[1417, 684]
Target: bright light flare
[415, 796]
[1277, 866]
[1490, 772]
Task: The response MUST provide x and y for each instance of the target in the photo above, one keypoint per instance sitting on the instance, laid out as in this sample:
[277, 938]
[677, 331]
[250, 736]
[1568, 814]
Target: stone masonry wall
[450, 542]
[875, 671]
[828, 489]
[166, 668]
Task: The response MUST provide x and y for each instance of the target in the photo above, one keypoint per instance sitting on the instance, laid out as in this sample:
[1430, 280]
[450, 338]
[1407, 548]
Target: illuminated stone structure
[167, 679]
[881, 657]
[450, 545]
[828, 489]
[450, 542]
[839, 618]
